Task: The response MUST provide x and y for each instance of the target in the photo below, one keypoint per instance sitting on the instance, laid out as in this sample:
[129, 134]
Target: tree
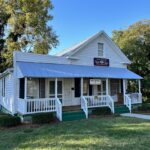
[3, 21]
[135, 43]
[27, 28]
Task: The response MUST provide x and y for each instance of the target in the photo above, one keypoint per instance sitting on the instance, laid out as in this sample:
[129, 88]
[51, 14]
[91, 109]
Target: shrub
[7, 120]
[101, 111]
[144, 107]
[41, 118]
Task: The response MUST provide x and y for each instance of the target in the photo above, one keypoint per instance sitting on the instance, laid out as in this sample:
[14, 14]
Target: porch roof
[47, 70]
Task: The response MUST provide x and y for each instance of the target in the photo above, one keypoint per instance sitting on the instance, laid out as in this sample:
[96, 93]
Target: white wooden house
[90, 74]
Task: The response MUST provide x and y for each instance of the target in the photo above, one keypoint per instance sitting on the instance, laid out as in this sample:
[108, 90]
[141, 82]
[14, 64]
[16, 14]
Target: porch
[54, 94]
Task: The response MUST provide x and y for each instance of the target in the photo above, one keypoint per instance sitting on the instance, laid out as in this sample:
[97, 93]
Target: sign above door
[95, 81]
[101, 62]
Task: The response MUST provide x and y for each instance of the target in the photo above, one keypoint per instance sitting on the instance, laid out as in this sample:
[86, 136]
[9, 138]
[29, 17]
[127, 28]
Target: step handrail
[84, 106]
[58, 109]
[111, 104]
[128, 102]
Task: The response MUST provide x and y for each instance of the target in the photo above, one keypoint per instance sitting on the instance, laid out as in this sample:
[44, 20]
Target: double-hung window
[100, 49]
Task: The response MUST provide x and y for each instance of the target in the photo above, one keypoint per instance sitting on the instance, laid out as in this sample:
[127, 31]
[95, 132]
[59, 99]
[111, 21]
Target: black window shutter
[77, 87]
[21, 89]
[121, 85]
[90, 90]
[41, 88]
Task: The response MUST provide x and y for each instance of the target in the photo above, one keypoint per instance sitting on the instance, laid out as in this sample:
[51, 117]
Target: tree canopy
[135, 43]
[25, 26]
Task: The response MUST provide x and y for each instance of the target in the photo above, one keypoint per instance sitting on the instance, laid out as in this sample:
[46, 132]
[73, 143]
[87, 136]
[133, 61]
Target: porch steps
[73, 115]
[120, 109]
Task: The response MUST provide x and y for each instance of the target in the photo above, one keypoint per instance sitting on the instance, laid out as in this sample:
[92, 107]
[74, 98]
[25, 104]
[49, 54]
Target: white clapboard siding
[86, 54]
[7, 101]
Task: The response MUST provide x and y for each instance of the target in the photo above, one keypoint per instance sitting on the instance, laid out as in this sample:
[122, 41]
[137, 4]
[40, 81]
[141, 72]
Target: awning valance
[47, 70]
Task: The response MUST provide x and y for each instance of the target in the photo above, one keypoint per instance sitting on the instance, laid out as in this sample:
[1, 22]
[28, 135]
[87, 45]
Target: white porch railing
[127, 102]
[31, 106]
[136, 98]
[58, 109]
[84, 106]
[97, 101]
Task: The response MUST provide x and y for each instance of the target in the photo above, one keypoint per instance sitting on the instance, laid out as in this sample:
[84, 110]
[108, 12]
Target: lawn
[108, 133]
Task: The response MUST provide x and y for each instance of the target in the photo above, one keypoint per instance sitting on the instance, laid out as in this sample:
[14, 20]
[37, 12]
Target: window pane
[52, 87]
[100, 46]
[32, 88]
[104, 87]
[85, 87]
[100, 49]
[59, 87]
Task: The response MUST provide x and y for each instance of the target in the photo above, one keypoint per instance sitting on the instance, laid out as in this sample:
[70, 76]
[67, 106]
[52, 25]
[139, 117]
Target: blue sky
[75, 20]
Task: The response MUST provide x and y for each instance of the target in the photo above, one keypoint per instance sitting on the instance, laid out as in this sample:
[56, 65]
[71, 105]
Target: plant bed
[42, 118]
[6, 120]
[143, 109]
[103, 111]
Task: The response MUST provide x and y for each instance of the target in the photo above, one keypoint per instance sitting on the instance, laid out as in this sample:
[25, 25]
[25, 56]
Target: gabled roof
[69, 52]
[66, 52]
[48, 70]
[6, 72]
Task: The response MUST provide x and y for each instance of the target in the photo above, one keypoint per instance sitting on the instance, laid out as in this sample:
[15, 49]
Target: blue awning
[47, 70]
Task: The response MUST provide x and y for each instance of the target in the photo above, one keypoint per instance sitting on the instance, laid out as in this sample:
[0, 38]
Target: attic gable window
[100, 49]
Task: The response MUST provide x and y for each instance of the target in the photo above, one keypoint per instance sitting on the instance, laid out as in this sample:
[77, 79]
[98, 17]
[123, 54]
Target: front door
[52, 89]
[115, 89]
[100, 89]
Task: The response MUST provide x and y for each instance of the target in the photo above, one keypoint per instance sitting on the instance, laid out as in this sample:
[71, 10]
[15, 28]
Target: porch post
[124, 89]
[81, 87]
[25, 88]
[55, 87]
[107, 93]
[139, 86]
[25, 95]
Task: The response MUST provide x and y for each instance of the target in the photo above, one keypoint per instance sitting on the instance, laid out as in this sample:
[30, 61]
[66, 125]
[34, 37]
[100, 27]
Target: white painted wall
[69, 98]
[7, 101]
[89, 52]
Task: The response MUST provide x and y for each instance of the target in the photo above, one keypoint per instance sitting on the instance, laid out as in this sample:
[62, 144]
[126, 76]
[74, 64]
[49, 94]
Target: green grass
[116, 133]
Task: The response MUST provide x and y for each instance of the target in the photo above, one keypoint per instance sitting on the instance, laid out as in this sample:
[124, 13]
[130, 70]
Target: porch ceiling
[43, 70]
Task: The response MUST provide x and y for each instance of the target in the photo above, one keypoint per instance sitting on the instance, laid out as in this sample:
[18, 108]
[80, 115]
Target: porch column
[81, 87]
[25, 96]
[25, 88]
[124, 89]
[139, 81]
[107, 93]
[56, 88]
